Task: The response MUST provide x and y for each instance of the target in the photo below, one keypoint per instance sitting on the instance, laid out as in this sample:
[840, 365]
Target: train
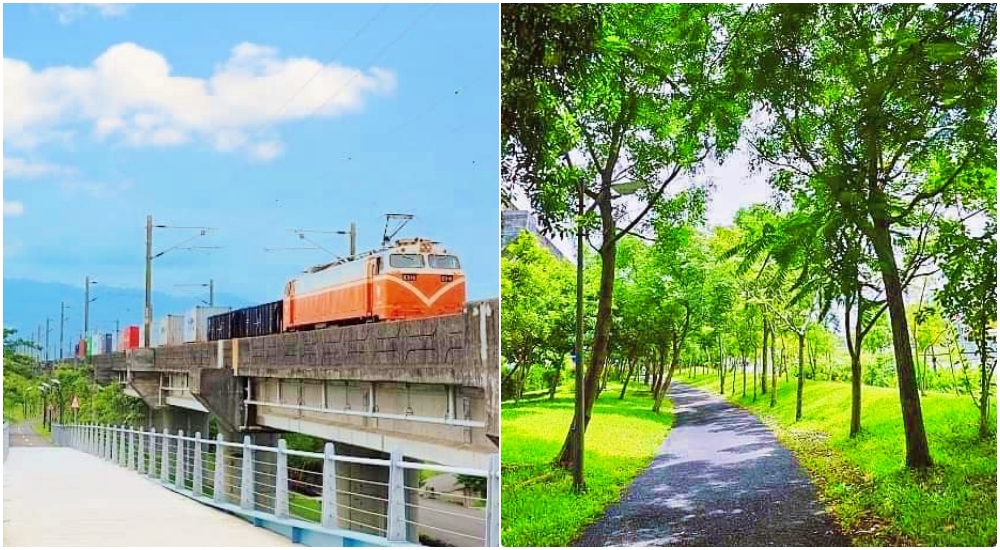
[411, 279]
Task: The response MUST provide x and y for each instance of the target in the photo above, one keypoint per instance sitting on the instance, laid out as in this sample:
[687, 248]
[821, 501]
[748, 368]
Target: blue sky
[248, 118]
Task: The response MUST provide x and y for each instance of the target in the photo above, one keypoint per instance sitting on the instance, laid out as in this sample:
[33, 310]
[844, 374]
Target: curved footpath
[720, 479]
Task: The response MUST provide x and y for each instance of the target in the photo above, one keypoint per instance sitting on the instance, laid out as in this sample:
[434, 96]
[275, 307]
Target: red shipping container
[131, 337]
[81, 349]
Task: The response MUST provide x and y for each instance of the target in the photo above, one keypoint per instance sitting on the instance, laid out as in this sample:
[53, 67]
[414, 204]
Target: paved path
[719, 479]
[56, 496]
[23, 435]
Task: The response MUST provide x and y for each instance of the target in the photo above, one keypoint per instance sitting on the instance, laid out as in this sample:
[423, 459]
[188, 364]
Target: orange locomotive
[415, 278]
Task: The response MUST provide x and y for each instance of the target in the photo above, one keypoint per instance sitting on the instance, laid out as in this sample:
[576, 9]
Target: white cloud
[97, 190]
[14, 167]
[67, 13]
[267, 150]
[129, 94]
[12, 208]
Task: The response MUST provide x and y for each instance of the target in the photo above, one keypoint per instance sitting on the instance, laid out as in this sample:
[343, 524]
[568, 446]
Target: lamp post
[86, 305]
[44, 390]
[58, 387]
[578, 481]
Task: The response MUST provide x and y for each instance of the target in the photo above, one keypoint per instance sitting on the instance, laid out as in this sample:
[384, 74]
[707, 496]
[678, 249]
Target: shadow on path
[719, 479]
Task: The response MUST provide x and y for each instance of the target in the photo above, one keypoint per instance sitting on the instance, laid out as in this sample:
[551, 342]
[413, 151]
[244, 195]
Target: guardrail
[316, 499]
[6, 441]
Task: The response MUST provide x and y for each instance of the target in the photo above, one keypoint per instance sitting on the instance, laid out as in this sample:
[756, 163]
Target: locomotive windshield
[439, 261]
[406, 261]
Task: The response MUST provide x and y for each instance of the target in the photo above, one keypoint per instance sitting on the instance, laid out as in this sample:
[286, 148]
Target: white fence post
[140, 454]
[281, 481]
[493, 502]
[196, 467]
[165, 458]
[131, 449]
[396, 530]
[219, 480]
[114, 444]
[179, 470]
[122, 446]
[246, 480]
[329, 513]
[151, 472]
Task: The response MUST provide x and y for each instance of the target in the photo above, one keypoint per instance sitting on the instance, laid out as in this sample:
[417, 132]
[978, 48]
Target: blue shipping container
[107, 343]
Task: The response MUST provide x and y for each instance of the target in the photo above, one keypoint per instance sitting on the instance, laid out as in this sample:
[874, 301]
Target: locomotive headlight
[409, 277]
[447, 278]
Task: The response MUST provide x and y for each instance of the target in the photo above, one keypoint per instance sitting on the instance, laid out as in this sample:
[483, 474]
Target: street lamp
[44, 390]
[86, 305]
[148, 313]
[622, 188]
[58, 386]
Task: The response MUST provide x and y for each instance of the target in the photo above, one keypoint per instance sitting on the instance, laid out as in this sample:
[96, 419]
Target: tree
[628, 119]
[969, 262]
[538, 313]
[878, 111]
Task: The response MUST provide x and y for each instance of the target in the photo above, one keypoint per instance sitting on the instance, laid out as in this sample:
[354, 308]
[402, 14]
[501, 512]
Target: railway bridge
[409, 392]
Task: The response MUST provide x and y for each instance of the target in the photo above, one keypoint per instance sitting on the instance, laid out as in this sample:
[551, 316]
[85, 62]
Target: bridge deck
[55, 496]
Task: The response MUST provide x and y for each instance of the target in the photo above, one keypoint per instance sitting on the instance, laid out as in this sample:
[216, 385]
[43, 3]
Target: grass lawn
[865, 482]
[539, 507]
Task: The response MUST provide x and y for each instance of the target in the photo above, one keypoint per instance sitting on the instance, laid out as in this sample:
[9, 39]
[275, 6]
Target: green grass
[864, 480]
[308, 509]
[539, 505]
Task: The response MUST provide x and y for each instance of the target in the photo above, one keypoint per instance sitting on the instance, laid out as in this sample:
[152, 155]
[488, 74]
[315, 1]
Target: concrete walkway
[23, 435]
[56, 496]
[719, 479]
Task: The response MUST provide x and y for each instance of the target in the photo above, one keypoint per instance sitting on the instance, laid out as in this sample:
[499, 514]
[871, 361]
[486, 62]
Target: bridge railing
[309, 496]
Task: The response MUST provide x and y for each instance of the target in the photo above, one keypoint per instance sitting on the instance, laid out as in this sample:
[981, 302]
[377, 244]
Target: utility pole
[578, 480]
[47, 331]
[148, 315]
[62, 327]
[211, 293]
[354, 239]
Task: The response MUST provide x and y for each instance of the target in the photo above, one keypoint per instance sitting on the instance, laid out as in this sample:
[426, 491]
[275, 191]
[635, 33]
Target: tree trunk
[802, 377]
[918, 454]
[628, 375]
[985, 379]
[763, 363]
[774, 375]
[666, 383]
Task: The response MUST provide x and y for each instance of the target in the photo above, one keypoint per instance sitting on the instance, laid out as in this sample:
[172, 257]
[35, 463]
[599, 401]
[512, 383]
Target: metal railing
[368, 500]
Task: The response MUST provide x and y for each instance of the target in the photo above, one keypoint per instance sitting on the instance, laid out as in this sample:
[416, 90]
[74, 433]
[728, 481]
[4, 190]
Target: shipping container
[94, 344]
[169, 331]
[107, 344]
[81, 349]
[196, 322]
[130, 337]
[259, 320]
[219, 326]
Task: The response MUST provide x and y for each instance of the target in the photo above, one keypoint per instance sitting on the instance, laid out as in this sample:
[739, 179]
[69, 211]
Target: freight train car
[413, 279]
[259, 320]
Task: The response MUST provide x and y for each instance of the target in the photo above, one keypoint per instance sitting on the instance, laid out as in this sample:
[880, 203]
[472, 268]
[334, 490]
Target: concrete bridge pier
[362, 506]
[173, 419]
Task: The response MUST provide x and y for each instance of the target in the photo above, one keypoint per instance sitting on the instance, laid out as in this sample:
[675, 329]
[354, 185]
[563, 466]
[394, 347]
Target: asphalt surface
[23, 435]
[719, 479]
